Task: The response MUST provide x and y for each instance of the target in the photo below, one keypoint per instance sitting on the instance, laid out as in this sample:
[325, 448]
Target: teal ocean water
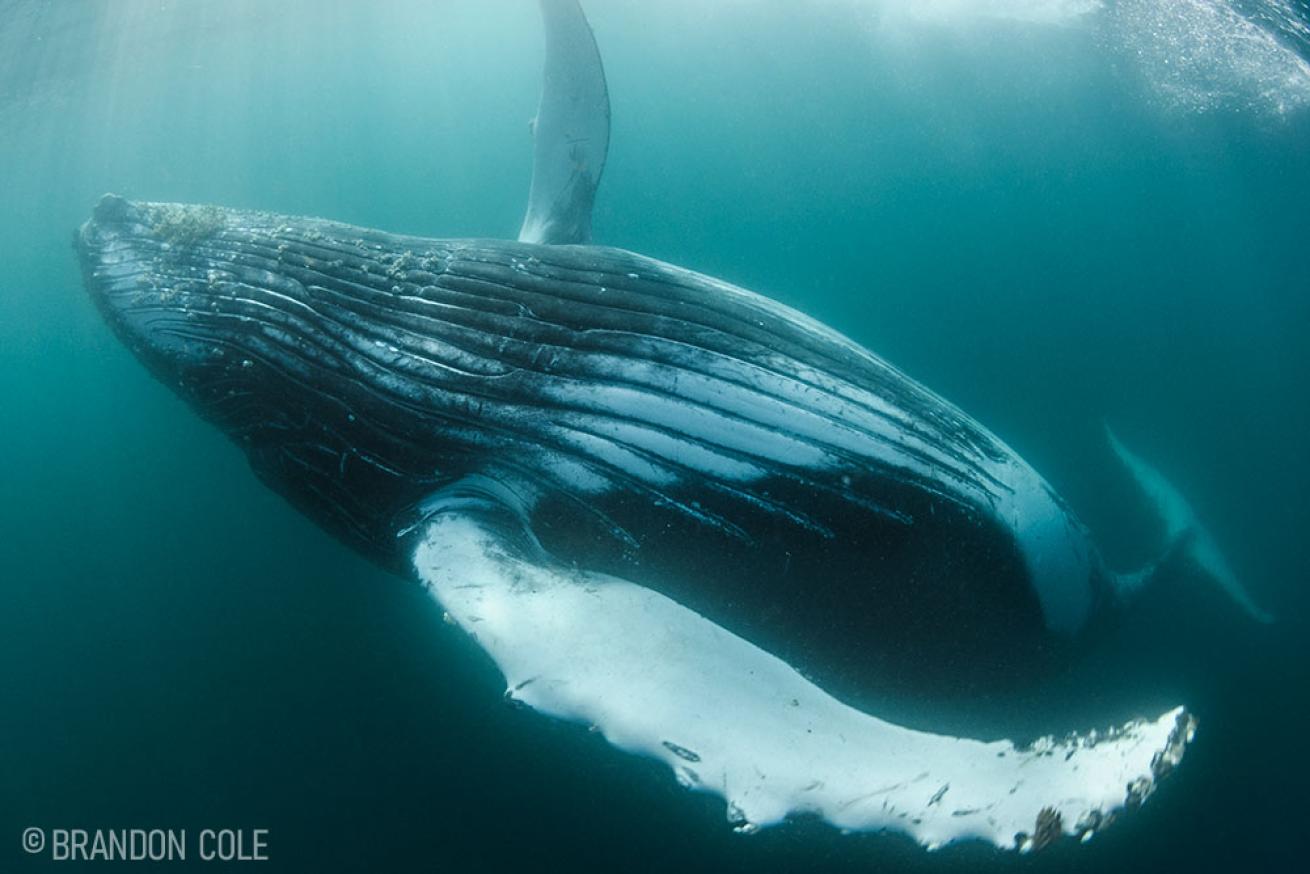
[1053, 212]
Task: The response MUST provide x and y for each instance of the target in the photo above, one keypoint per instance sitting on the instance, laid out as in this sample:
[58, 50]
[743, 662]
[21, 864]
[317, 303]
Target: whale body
[609, 443]
[694, 519]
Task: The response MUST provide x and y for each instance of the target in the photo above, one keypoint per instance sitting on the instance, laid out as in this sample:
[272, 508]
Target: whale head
[216, 304]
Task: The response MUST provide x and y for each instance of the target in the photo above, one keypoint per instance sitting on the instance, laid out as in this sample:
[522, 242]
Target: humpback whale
[678, 512]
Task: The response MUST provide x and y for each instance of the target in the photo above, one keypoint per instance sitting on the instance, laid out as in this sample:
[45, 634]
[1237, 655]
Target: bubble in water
[1202, 55]
[1032, 11]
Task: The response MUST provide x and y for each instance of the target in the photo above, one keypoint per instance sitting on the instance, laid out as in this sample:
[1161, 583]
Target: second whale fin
[730, 719]
[571, 133]
[1185, 536]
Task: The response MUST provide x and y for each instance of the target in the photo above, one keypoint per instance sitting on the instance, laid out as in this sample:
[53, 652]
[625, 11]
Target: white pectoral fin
[729, 718]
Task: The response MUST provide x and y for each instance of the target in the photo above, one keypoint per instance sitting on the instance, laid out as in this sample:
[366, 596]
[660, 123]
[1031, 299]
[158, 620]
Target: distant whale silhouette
[667, 507]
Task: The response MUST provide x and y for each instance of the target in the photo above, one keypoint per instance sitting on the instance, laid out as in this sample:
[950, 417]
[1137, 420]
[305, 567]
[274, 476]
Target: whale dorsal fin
[571, 133]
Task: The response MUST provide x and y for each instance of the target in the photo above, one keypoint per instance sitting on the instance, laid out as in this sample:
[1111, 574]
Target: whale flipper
[659, 680]
[571, 132]
[1184, 534]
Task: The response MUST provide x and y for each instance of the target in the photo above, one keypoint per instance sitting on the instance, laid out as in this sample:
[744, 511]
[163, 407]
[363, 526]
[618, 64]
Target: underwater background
[1053, 212]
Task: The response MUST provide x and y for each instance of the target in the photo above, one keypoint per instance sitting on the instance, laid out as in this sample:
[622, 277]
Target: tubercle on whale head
[130, 255]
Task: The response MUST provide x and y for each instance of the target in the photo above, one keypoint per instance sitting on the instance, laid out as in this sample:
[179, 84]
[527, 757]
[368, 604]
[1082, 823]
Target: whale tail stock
[1185, 538]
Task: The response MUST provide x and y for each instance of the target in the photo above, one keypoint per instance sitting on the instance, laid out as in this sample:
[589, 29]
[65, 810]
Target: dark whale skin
[641, 419]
